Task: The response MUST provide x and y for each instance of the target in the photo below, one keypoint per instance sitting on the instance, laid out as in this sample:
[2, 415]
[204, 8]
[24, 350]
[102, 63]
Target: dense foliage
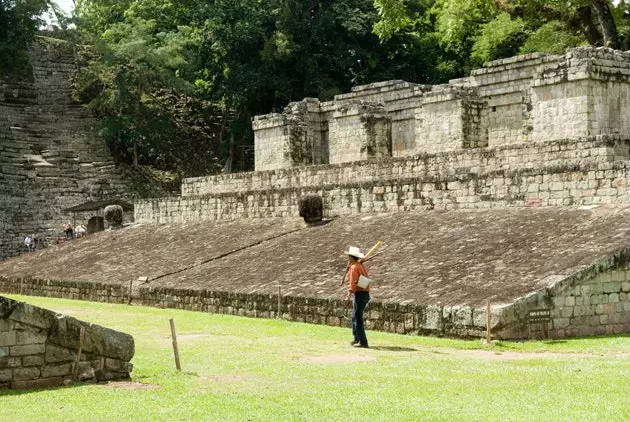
[176, 83]
[19, 20]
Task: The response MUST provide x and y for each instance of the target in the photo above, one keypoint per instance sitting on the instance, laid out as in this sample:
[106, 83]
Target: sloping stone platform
[434, 273]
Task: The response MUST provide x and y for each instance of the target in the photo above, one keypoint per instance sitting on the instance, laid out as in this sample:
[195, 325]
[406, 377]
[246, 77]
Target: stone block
[561, 323]
[56, 354]
[8, 338]
[27, 349]
[569, 301]
[32, 315]
[4, 351]
[558, 301]
[33, 360]
[31, 336]
[100, 340]
[37, 383]
[5, 325]
[6, 375]
[49, 371]
[26, 374]
[433, 318]
[612, 287]
[618, 276]
[8, 362]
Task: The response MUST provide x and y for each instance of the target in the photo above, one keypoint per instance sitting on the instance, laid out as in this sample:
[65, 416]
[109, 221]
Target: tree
[502, 27]
[19, 21]
[138, 80]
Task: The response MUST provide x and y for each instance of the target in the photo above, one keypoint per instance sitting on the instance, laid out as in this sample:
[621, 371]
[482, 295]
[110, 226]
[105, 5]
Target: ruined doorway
[95, 224]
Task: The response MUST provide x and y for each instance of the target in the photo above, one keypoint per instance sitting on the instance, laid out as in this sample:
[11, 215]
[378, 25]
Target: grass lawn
[240, 369]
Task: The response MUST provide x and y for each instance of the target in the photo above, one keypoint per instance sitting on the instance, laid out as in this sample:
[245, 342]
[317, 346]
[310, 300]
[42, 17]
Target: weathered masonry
[49, 158]
[38, 348]
[510, 186]
[531, 98]
[541, 130]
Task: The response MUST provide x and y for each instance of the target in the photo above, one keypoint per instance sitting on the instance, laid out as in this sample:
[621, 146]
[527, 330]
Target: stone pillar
[451, 118]
[560, 102]
[291, 139]
[360, 131]
[586, 94]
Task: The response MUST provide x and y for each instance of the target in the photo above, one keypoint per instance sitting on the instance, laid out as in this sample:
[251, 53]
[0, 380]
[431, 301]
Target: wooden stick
[175, 349]
[344, 275]
[371, 251]
[279, 301]
[130, 288]
[488, 323]
[77, 359]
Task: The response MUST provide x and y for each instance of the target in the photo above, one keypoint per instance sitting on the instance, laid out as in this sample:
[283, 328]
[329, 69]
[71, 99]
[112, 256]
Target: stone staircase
[49, 157]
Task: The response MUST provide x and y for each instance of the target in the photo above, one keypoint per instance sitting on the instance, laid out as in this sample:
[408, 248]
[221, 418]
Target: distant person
[80, 231]
[361, 296]
[29, 242]
[68, 229]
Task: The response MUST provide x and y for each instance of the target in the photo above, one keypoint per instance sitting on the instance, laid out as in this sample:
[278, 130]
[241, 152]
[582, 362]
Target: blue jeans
[361, 300]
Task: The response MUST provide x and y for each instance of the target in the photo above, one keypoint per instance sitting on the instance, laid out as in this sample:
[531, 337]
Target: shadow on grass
[394, 348]
[19, 392]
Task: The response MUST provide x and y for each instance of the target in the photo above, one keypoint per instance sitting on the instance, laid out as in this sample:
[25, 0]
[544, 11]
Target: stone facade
[582, 171]
[38, 348]
[401, 318]
[49, 158]
[595, 300]
[529, 98]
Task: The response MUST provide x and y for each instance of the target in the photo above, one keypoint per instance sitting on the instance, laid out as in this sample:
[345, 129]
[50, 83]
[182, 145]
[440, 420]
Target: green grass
[240, 369]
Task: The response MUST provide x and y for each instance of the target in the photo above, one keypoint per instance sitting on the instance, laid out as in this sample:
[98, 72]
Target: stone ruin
[510, 185]
[525, 99]
[50, 159]
[525, 132]
[38, 348]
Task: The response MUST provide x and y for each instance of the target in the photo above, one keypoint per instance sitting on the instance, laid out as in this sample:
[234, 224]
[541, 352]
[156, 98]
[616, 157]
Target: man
[361, 295]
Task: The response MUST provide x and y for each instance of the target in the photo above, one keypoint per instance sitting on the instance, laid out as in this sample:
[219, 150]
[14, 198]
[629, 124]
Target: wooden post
[77, 359]
[279, 314]
[488, 323]
[175, 349]
[130, 288]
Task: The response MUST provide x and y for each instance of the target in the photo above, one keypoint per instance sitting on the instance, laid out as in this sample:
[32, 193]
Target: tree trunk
[135, 155]
[585, 23]
[607, 22]
[229, 163]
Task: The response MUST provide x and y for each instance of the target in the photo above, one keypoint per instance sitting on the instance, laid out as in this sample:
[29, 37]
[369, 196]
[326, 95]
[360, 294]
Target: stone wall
[594, 300]
[49, 157]
[38, 348]
[407, 318]
[528, 98]
[361, 132]
[296, 137]
[583, 171]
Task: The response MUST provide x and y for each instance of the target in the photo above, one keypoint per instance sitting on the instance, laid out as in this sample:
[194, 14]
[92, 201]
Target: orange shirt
[353, 277]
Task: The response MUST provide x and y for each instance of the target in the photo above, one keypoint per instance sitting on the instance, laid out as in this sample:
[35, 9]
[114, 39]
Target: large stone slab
[39, 348]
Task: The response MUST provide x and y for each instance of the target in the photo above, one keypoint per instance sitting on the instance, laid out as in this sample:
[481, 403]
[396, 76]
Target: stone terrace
[451, 261]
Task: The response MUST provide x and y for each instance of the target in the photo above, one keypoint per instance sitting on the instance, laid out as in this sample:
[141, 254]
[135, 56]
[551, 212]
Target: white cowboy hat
[355, 252]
